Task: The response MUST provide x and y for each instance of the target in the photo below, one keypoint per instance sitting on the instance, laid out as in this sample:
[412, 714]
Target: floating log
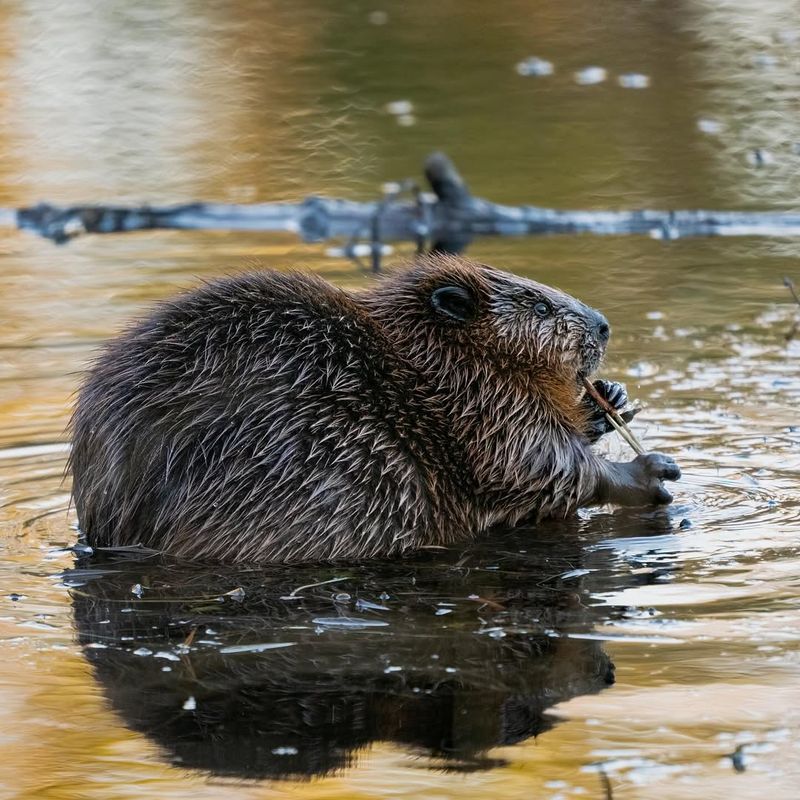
[446, 218]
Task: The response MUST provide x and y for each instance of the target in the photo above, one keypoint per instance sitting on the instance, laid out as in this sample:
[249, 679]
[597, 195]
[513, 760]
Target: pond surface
[627, 653]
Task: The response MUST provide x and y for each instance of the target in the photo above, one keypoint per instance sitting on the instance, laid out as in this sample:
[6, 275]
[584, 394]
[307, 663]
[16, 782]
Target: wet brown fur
[273, 417]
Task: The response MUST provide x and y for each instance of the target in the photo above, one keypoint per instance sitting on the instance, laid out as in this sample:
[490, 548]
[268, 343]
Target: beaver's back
[262, 417]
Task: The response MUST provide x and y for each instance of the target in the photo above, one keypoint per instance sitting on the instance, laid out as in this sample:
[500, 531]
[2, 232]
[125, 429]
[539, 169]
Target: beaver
[272, 417]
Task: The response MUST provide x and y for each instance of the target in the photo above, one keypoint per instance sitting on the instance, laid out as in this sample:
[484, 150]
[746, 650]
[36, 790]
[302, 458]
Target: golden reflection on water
[165, 102]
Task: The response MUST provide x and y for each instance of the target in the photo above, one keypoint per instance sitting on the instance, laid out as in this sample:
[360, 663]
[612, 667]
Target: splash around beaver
[272, 417]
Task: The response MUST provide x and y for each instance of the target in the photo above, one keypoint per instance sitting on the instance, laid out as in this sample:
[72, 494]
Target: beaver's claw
[616, 396]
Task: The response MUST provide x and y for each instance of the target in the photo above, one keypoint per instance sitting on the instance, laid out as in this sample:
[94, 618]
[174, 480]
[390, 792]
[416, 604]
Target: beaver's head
[451, 306]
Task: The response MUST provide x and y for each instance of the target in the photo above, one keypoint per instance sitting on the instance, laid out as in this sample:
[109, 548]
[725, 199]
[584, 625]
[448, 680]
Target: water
[491, 673]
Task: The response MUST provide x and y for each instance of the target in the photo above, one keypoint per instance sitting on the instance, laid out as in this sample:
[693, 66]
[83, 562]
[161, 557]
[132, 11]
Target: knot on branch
[446, 181]
[314, 220]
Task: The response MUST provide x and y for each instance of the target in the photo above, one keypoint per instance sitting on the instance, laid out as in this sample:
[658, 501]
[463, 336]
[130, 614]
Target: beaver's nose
[601, 327]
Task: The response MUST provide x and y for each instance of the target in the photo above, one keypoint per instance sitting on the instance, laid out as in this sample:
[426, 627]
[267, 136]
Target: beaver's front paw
[649, 470]
[616, 396]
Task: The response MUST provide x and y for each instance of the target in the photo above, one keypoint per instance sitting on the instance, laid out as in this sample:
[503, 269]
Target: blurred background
[695, 106]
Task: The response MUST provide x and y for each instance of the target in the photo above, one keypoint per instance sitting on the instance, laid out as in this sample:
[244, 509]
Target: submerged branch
[446, 219]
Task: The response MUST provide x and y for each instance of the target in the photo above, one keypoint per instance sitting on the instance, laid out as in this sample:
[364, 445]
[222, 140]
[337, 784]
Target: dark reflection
[449, 654]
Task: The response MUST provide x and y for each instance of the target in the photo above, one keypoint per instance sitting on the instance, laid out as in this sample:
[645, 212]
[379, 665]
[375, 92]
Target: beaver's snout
[597, 332]
[602, 330]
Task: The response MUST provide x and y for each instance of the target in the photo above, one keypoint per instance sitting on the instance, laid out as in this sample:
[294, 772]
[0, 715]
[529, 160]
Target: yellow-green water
[173, 101]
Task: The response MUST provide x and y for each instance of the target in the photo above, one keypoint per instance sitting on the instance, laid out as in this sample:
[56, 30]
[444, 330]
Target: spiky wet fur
[274, 417]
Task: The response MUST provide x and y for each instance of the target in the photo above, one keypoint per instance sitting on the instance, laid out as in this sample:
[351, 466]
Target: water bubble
[633, 80]
[534, 66]
[399, 107]
[590, 75]
[710, 126]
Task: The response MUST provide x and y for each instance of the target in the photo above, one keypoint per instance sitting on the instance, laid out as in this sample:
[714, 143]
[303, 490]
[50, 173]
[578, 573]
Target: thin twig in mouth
[614, 419]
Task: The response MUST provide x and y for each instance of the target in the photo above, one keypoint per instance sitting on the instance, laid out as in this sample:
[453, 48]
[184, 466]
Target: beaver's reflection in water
[448, 655]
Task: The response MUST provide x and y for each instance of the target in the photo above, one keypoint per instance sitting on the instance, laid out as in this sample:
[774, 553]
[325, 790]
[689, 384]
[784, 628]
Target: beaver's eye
[542, 309]
[455, 302]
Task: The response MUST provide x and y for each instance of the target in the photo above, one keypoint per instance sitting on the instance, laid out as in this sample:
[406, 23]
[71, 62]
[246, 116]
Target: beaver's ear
[455, 302]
